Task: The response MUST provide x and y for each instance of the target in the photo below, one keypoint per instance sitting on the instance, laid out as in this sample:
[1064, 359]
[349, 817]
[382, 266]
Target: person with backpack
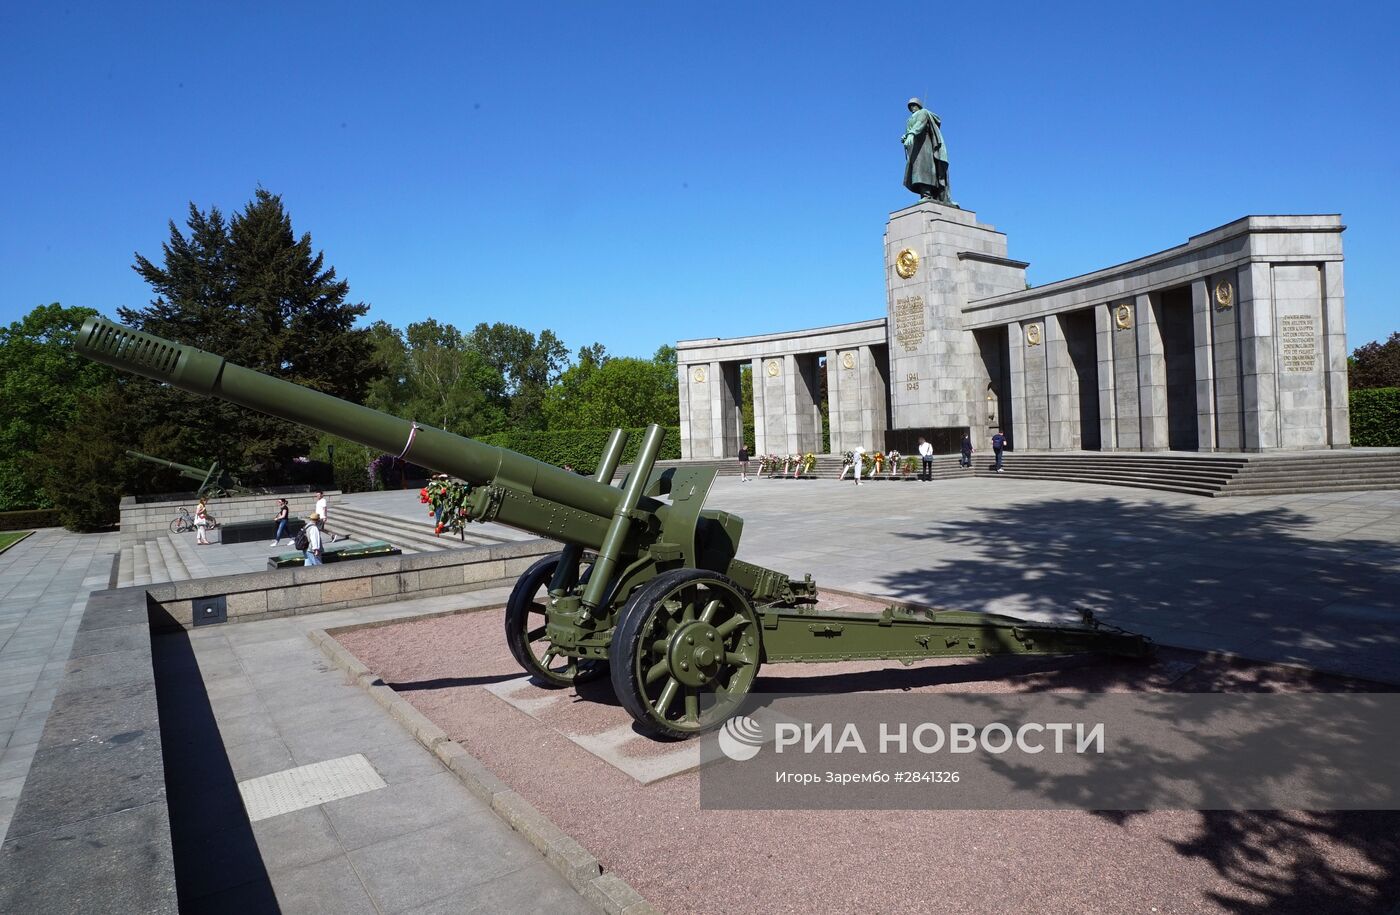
[309, 540]
[998, 446]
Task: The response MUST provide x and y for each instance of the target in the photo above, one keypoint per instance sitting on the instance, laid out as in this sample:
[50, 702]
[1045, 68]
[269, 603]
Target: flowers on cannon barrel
[448, 498]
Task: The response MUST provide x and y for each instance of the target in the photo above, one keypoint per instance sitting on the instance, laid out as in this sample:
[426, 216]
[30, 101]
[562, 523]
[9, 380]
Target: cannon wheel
[525, 631]
[685, 652]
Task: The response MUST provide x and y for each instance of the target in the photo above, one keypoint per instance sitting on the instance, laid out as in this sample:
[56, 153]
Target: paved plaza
[1309, 579]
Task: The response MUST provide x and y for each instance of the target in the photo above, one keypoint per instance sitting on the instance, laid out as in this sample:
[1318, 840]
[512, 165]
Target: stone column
[683, 387]
[1258, 370]
[760, 413]
[805, 419]
[1127, 396]
[1205, 366]
[1062, 388]
[1152, 376]
[1334, 306]
[720, 417]
[1103, 348]
[871, 402]
[1032, 344]
[1225, 360]
[833, 398]
[1300, 348]
[1016, 359]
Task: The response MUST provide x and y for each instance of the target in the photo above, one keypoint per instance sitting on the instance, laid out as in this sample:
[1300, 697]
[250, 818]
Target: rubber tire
[622, 651]
[516, 621]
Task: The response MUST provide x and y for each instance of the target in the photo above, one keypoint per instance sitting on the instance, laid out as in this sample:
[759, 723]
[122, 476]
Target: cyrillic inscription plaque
[909, 321]
[1298, 342]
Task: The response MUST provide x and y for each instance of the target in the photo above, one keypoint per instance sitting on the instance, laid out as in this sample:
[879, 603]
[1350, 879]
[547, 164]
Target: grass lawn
[10, 538]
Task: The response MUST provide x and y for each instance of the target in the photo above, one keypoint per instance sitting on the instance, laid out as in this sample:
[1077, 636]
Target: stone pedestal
[937, 259]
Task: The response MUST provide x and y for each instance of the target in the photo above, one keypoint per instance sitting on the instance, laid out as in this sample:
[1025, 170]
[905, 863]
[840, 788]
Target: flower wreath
[448, 498]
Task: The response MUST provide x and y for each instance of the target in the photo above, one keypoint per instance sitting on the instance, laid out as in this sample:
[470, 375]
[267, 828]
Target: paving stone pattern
[44, 583]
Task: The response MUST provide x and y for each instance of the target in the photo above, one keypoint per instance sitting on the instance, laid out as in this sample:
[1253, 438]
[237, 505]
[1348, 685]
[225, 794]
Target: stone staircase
[1207, 474]
[153, 561]
[412, 536]
[1340, 471]
[1195, 474]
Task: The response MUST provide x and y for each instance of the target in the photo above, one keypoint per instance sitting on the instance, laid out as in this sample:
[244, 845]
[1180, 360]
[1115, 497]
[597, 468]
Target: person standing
[313, 551]
[281, 520]
[926, 459]
[743, 462]
[321, 512]
[966, 449]
[998, 446]
[859, 455]
[201, 523]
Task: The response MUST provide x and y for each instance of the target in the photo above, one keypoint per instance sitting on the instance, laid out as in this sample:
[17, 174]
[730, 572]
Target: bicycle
[185, 522]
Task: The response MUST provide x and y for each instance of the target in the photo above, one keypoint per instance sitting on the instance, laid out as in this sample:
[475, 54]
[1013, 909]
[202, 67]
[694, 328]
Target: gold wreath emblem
[1033, 334]
[1123, 316]
[848, 360]
[773, 368]
[1224, 295]
[699, 374]
[906, 263]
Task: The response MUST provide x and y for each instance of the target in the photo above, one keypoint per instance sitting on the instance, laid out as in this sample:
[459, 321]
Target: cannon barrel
[201, 372]
[173, 465]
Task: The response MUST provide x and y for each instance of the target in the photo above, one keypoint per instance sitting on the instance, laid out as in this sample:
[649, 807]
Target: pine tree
[251, 291]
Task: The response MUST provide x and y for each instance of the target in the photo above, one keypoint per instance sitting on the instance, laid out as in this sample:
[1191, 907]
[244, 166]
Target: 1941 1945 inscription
[1298, 342]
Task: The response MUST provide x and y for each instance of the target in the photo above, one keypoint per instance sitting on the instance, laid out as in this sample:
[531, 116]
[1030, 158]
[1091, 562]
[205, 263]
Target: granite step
[406, 535]
[125, 563]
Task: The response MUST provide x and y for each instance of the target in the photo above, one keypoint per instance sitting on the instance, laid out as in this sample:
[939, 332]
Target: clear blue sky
[638, 173]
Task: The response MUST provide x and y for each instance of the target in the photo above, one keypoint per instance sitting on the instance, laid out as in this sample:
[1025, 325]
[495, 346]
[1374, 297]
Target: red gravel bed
[687, 860]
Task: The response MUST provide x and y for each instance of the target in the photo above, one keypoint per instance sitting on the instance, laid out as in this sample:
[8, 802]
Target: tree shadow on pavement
[1246, 576]
[1220, 579]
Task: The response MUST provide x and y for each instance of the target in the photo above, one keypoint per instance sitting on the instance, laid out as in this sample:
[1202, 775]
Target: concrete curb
[607, 891]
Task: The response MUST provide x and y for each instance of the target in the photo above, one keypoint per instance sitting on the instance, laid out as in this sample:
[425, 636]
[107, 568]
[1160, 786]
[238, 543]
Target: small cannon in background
[213, 483]
[648, 586]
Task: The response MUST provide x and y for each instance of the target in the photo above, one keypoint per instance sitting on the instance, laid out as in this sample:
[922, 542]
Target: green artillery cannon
[213, 483]
[648, 586]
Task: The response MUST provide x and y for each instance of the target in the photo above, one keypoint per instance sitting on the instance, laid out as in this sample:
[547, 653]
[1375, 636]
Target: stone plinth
[938, 259]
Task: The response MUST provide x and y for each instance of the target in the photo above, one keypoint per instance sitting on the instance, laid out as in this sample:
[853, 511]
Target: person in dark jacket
[998, 446]
[966, 459]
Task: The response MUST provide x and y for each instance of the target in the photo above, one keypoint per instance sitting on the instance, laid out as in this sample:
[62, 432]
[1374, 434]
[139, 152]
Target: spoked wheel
[685, 652]
[178, 526]
[525, 631]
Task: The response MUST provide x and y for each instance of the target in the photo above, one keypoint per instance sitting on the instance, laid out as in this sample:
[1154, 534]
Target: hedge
[1375, 418]
[580, 448]
[29, 519]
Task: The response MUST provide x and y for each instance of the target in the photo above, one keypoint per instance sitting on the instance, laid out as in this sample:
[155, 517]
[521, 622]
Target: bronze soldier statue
[925, 155]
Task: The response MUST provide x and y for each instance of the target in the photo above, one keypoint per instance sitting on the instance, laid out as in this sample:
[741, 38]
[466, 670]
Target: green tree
[450, 385]
[618, 392]
[1375, 365]
[529, 365]
[83, 468]
[41, 381]
[252, 291]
